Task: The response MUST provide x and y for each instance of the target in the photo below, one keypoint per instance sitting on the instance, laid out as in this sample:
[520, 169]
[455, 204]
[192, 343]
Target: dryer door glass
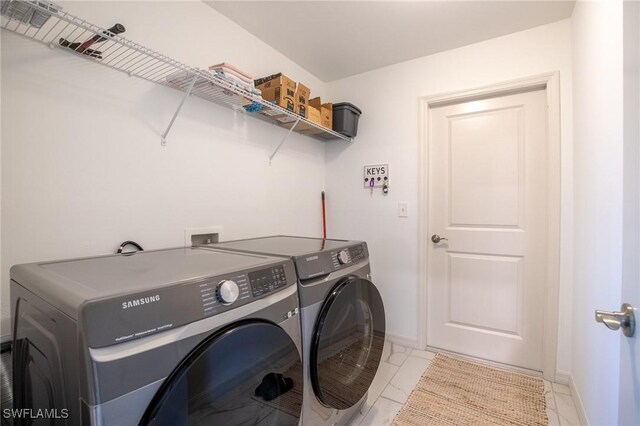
[347, 343]
[248, 373]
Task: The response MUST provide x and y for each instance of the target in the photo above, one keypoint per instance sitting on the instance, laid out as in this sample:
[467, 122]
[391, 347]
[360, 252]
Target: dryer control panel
[349, 255]
[326, 262]
[132, 316]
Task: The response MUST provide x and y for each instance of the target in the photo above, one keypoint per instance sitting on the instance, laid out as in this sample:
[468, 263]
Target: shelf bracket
[163, 139]
[283, 140]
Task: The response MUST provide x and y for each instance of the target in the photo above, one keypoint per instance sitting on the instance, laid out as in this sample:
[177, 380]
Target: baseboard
[578, 402]
[403, 341]
[562, 377]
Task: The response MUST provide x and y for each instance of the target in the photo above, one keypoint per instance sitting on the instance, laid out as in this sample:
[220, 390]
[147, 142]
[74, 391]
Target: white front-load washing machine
[168, 337]
[342, 317]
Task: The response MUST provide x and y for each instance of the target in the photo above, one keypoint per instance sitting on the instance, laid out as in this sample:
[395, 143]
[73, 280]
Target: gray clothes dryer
[342, 317]
[168, 337]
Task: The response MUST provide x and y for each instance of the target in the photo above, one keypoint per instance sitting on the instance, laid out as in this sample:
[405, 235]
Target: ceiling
[336, 39]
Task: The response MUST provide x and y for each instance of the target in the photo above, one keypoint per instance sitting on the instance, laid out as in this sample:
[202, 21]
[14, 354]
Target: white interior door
[487, 196]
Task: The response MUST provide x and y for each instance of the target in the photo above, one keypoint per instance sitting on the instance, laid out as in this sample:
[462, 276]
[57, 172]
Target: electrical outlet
[403, 210]
[199, 236]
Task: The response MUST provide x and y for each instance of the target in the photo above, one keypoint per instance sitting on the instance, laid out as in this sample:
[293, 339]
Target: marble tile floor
[401, 369]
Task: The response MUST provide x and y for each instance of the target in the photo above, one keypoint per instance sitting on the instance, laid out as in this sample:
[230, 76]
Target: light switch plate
[403, 210]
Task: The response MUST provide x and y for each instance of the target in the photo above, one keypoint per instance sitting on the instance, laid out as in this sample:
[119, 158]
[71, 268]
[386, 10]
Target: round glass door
[249, 373]
[347, 343]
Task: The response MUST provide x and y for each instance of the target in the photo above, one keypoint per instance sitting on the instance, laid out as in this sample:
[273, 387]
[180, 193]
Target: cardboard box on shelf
[315, 102]
[278, 88]
[302, 100]
[326, 111]
[313, 114]
[326, 115]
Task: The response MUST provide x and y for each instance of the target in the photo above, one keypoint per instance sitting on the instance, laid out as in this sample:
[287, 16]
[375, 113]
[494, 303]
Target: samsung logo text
[139, 302]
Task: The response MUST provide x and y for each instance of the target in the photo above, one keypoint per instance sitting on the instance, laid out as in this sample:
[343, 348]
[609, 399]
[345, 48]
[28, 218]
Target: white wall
[389, 133]
[629, 412]
[597, 45]
[82, 165]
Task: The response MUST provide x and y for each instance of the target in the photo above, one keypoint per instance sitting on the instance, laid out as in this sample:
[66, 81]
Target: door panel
[486, 179]
[485, 292]
[487, 196]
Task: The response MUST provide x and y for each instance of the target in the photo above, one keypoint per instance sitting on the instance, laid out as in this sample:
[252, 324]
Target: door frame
[550, 82]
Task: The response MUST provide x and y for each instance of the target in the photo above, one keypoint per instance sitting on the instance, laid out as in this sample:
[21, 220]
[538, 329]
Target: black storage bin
[345, 119]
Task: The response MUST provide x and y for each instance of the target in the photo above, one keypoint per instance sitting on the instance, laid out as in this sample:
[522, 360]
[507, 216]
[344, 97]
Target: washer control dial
[344, 257]
[227, 292]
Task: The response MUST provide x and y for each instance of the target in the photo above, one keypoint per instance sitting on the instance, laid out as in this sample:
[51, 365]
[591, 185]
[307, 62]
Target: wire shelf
[46, 23]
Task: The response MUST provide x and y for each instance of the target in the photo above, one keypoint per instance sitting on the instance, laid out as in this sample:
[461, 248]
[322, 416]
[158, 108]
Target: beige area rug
[457, 392]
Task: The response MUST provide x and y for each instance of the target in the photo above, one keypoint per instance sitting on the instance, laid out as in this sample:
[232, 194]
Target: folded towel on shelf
[237, 82]
[233, 78]
[208, 88]
[230, 67]
[234, 74]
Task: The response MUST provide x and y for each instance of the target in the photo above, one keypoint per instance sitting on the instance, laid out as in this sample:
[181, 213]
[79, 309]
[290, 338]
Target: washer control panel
[217, 293]
[135, 315]
[267, 280]
[239, 289]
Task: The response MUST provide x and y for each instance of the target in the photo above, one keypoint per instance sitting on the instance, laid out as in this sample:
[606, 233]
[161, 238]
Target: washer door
[347, 343]
[247, 373]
